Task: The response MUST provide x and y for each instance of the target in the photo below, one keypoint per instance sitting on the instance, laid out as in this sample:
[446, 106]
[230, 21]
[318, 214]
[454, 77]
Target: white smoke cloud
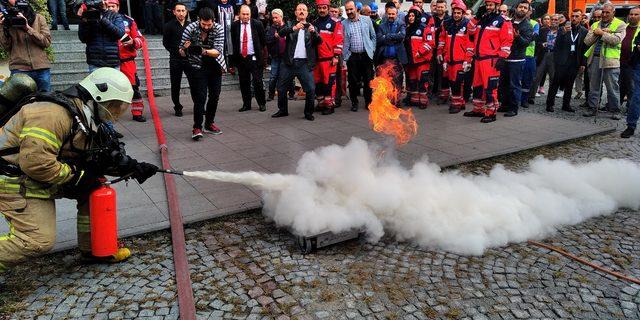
[338, 188]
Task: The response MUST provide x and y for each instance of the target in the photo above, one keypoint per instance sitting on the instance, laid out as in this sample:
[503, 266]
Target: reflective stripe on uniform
[10, 235]
[31, 189]
[63, 174]
[42, 134]
[83, 224]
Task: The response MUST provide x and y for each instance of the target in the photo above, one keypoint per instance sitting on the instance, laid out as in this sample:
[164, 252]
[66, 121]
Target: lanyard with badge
[573, 40]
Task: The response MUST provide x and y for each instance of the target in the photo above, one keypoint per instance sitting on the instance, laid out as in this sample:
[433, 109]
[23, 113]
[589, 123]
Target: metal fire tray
[308, 244]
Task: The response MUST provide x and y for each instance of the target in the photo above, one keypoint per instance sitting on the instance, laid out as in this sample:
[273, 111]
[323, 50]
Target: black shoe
[454, 110]
[271, 97]
[503, 109]
[354, 108]
[511, 114]
[525, 105]
[293, 97]
[139, 118]
[487, 119]
[119, 135]
[243, 109]
[262, 108]
[591, 113]
[531, 101]
[627, 133]
[67, 28]
[568, 109]
[550, 109]
[309, 117]
[178, 111]
[279, 114]
[327, 111]
[473, 114]
[54, 27]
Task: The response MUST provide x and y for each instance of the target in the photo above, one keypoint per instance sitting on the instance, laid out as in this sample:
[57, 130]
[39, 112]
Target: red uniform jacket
[129, 52]
[493, 36]
[331, 33]
[454, 44]
[421, 42]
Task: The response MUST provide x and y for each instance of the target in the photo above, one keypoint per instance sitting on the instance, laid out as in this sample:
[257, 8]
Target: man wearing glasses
[605, 42]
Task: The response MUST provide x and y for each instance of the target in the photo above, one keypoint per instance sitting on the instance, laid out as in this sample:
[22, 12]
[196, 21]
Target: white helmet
[108, 84]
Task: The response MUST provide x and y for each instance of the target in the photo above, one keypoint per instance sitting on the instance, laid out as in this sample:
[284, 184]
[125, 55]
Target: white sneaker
[538, 94]
[560, 94]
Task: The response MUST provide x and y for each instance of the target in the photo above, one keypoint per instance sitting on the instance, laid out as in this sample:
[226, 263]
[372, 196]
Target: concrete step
[79, 53]
[76, 45]
[73, 75]
[80, 63]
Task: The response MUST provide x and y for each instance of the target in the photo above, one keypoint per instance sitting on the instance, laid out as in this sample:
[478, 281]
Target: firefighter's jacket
[455, 44]
[331, 33]
[493, 36]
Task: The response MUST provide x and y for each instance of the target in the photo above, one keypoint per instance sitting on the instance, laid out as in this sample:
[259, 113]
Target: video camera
[10, 13]
[94, 10]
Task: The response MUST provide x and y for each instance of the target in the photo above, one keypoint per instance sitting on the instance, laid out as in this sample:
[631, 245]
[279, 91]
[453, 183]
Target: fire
[384, 116]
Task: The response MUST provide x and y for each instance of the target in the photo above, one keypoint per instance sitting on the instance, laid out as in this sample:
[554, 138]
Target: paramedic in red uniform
[420, 44]
[128, 48]
[329, 52]
[456, 49]
[493, 38]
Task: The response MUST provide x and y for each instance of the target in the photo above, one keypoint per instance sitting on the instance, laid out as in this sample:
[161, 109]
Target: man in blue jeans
[26, 45]
[633, 111]
[276, 46]
[55, 7]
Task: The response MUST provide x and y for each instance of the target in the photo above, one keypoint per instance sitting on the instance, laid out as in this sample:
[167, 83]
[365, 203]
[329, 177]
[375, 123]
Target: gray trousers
[609, 77]
[546, 66]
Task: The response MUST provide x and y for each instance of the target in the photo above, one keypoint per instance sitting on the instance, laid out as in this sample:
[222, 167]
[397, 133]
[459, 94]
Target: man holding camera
[101, 30]
[25, 36]
[129, 46]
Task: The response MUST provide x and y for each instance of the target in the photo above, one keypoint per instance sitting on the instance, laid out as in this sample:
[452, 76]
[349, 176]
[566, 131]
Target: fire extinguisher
[103, 218]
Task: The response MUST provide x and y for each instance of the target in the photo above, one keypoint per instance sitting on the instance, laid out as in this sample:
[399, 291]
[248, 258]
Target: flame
[384, 116]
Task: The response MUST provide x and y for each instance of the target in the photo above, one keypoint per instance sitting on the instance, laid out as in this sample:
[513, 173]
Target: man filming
[25, 36]
[60, 146]
[101, 30]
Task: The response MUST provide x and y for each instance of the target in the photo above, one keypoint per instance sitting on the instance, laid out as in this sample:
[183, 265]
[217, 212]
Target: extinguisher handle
[126, 176]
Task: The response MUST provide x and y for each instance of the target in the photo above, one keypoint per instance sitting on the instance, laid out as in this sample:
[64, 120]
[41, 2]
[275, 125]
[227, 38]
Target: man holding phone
[128, 47]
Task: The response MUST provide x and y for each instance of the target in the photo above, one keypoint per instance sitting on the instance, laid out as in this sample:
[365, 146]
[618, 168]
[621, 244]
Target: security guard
[58, 146]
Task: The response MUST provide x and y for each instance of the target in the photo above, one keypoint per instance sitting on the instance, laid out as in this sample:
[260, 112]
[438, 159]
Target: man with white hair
[603, 60]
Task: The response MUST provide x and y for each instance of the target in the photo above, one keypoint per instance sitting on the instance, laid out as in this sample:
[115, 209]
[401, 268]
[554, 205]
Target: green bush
[40, 6]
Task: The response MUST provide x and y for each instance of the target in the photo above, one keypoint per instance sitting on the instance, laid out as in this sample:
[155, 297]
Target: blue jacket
[102, 38]
[368, 36]
[387, 38]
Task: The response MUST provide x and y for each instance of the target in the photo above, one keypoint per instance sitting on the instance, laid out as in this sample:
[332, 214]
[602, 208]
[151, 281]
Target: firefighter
[56, 146]
[128, 48]
[420, 44]
[456, 49]
[493, 37]
[329, 52]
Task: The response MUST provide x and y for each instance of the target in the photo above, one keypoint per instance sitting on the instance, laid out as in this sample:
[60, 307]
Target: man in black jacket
[511, 73]
[101, 30]
[568, 59]
[171, 36]
[299, 60]
[247, 37]
[276, 46]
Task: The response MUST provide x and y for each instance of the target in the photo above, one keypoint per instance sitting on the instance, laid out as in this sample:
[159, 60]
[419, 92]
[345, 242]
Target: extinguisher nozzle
[177, 172]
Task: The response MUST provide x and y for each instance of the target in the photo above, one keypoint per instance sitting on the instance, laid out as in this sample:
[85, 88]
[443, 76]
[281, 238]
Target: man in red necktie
[247, 37]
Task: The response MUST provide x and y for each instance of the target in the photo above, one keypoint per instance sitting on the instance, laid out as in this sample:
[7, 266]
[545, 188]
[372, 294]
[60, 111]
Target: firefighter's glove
[500, 64]
[83, 182]
[466, 66]
[144, 171]
[481, 11]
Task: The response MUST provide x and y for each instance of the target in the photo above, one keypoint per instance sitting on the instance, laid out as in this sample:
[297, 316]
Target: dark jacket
[257, 35]
[311, 42]
[562, 51]
[384, 38]
[102, 38]
[540, 39]
[273, 43]
[522, 41]
[171, 36]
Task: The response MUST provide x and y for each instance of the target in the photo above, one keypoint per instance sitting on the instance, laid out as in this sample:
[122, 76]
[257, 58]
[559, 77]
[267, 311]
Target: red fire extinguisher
[104, 221]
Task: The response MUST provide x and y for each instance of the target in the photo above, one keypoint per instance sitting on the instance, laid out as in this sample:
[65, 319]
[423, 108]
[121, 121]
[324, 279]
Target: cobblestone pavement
[243, 267]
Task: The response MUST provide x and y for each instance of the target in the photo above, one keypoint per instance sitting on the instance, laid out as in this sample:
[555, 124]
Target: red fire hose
[181, 264]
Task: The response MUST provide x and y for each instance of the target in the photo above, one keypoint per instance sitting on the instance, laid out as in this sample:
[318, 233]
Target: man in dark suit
[569, 59]
[300, 56]
[247, 37]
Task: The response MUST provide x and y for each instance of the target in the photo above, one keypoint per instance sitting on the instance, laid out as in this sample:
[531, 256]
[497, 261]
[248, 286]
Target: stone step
[74, 54]
[80, 63]
[76, 45]
[72, 75]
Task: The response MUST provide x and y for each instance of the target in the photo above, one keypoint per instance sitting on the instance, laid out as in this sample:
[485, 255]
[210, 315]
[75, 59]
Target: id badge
[573, 47]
